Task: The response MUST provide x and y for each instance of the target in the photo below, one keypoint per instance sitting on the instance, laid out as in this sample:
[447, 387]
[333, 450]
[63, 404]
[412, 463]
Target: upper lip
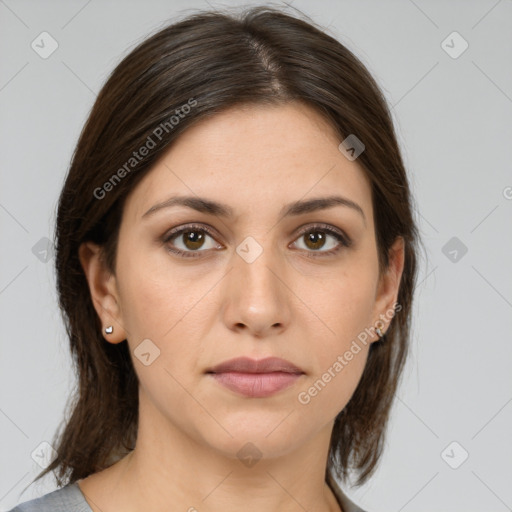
[248, 365]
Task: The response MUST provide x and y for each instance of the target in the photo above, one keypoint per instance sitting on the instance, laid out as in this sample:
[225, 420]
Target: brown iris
[315, 239]
[194, 238]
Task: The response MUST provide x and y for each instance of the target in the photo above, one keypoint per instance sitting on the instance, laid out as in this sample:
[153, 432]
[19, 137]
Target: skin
[292, 302]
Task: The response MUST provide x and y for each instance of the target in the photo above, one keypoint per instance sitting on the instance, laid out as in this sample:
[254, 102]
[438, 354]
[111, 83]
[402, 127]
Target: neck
[172, 469]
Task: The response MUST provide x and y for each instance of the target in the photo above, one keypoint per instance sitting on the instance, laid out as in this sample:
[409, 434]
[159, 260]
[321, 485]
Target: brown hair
[213, 60]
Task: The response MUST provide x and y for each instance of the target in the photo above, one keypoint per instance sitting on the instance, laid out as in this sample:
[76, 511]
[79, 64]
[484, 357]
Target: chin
[268, 435]
[249, 447]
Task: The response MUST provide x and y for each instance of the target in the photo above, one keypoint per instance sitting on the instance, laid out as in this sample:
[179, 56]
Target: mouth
[256, 378]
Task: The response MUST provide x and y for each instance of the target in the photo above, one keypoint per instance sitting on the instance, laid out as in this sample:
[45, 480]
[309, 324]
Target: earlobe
[389, 285]
[103, 290]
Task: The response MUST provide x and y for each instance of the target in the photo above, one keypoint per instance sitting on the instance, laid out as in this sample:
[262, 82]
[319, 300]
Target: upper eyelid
[172, 233]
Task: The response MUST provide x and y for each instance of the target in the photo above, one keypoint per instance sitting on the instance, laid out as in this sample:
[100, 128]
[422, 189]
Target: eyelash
[344, 241]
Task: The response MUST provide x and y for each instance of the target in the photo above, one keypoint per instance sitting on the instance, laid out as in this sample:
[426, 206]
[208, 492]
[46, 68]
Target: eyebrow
[208, 206]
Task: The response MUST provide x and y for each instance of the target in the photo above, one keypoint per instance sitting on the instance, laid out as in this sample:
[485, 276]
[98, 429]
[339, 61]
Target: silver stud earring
[379, 332]
[109, 329]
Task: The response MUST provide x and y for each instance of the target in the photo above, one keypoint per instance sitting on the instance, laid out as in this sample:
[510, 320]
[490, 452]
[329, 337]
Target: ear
[103, 288]
[389, 284]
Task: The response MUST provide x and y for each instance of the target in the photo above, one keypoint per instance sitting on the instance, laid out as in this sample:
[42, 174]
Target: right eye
[192, 238]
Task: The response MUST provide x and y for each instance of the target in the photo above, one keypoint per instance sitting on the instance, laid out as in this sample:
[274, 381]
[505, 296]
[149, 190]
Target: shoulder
[345, 503]
[67, 499]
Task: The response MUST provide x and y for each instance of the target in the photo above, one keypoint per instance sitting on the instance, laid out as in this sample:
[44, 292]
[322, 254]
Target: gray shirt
[67, 499]
[70, 499]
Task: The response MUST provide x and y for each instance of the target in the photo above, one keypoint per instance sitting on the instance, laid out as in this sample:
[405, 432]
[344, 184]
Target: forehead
[255, 157]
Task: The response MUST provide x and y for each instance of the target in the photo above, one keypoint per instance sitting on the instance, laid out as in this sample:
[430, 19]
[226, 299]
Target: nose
[257, 296]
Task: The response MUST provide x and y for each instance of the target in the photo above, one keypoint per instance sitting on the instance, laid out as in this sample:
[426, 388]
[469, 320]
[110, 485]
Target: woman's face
[257, 276]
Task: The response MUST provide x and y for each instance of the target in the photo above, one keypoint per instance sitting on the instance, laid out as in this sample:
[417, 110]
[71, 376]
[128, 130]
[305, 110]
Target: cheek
[345, 303]
[168, 307]
[325, 395]
[345, 308]
[158, 305]
[154, 297]
[339, 355]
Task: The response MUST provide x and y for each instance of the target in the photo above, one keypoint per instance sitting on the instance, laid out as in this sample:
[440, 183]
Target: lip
[248, 365]
[256, 378]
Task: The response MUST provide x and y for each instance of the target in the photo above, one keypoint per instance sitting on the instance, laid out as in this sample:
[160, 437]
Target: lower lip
[256, 385]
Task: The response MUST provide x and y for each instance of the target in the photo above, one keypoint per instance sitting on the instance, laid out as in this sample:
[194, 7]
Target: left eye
[316, 238]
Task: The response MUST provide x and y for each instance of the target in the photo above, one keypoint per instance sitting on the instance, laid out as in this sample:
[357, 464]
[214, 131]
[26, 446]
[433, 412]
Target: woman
[236, 259]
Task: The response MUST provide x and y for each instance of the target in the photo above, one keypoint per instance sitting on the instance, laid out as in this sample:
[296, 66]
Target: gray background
[453, 120]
